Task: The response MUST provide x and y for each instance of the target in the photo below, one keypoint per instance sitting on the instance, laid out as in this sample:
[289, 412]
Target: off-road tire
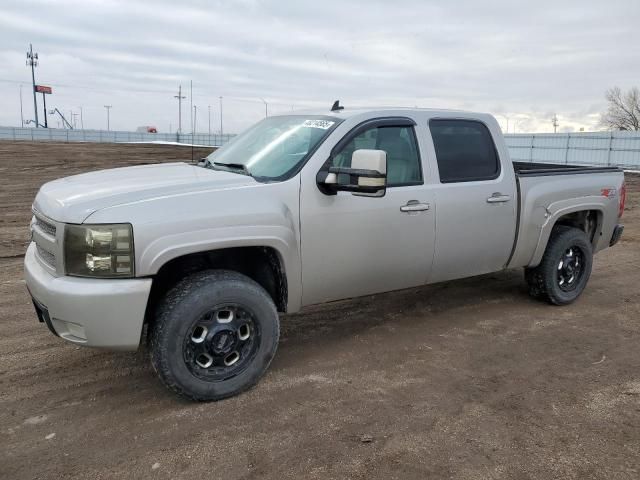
[543, 279]
[183, 306]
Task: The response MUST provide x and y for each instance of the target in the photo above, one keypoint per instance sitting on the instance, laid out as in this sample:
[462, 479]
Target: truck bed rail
[526, 169]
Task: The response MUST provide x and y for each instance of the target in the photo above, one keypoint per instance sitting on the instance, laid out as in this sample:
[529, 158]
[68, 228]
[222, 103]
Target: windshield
[274, 148]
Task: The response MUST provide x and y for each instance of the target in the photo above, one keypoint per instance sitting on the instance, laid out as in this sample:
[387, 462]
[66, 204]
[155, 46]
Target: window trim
[493, 143]
[377, 123]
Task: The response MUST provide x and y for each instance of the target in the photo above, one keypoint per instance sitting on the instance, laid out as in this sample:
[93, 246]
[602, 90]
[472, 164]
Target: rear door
[476, 200]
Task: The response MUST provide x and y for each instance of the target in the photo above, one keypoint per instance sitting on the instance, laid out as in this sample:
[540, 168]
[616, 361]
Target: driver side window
[403, 161]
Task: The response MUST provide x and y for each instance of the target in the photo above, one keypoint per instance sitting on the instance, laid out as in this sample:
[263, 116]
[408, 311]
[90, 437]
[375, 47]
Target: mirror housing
[367, 175]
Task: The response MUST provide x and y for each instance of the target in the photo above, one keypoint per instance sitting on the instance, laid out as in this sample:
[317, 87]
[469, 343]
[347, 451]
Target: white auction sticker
[323, 124]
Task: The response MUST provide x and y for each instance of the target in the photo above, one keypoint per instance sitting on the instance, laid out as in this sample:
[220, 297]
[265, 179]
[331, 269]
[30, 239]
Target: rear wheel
[214, 336]
[565, 268]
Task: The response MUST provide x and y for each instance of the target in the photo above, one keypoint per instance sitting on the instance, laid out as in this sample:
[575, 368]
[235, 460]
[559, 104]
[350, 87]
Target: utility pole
[180, 97]
[209, 111]
[32, 61]
[554, 122]
[191, 102]
[81, 119]
[21, 114]
[221, 118]
[108, 107]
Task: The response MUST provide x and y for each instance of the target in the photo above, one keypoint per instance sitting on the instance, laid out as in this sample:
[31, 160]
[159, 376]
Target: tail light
[623, 197]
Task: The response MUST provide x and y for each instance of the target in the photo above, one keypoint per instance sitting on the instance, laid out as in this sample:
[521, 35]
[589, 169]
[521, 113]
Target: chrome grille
[47, 257]
[45, 226]
[44, 233]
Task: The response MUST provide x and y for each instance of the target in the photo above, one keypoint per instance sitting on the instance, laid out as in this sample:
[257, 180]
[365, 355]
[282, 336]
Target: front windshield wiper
[230, 167]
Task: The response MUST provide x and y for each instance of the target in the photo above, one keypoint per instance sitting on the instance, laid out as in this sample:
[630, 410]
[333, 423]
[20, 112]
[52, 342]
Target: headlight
[104, 251]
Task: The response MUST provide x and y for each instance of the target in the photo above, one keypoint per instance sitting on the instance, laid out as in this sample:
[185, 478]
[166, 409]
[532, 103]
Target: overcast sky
[525, 60]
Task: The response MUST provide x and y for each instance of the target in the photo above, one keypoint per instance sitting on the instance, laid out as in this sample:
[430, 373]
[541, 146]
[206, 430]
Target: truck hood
[73, 199]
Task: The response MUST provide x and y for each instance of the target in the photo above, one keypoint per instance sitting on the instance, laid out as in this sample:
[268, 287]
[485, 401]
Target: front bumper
[91, 312]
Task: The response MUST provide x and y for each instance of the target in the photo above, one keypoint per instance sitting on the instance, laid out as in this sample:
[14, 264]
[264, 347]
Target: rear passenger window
[464, 150]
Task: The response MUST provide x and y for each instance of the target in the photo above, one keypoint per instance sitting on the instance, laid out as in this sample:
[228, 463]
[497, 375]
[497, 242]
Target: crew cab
[303, 209]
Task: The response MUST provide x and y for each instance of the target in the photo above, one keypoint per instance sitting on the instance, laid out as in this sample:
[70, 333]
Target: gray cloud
[516, 59]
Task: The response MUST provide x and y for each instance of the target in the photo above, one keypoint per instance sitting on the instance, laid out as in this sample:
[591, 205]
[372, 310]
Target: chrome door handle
[497, 197]
[414, 206]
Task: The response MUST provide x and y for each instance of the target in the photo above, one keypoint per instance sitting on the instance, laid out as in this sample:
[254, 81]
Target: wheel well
[586, 220]
[261, 264]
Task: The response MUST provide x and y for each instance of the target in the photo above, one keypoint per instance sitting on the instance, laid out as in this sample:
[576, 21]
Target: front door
[354, 245]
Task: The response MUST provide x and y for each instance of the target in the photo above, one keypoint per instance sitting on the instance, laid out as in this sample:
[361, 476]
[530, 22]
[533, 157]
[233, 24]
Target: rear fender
[557, 210]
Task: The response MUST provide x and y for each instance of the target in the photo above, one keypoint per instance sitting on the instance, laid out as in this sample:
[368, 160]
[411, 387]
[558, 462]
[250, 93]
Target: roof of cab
[347, 112]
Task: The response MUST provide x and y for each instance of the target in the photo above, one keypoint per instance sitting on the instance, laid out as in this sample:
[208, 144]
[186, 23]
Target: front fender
[283, 240]
[165, 228]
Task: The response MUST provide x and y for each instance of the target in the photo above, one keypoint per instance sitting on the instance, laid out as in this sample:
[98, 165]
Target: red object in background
[152, 130]
[43, 89]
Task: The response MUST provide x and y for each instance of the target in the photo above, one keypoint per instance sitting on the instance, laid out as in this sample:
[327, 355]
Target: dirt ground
[467, 379]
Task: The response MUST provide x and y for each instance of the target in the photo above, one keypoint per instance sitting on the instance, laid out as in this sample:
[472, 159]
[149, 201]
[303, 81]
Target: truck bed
[526, 169]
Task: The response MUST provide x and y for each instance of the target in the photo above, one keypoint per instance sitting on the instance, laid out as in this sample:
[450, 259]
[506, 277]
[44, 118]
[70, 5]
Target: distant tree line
[623, 110]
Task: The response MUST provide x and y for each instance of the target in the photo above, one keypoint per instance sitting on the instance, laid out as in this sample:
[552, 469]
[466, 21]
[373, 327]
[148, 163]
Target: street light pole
[195, 119]
[507, 118]
[108, 107]
[221, 118]
[209, 112]
[266, 107]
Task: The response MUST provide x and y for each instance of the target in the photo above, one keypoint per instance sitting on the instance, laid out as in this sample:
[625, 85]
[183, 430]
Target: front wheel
[214, 335]
[565, 268]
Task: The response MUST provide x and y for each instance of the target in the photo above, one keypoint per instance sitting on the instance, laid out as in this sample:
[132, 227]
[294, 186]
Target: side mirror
[366, 177]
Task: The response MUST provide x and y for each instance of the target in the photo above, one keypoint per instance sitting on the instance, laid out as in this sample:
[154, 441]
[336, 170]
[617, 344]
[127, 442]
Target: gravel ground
[466, 379]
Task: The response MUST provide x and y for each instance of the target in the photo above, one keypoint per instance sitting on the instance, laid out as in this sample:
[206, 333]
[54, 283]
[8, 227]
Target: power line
[150, 91]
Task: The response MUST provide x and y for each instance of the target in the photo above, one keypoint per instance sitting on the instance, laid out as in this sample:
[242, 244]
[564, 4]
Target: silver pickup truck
[298, 210]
